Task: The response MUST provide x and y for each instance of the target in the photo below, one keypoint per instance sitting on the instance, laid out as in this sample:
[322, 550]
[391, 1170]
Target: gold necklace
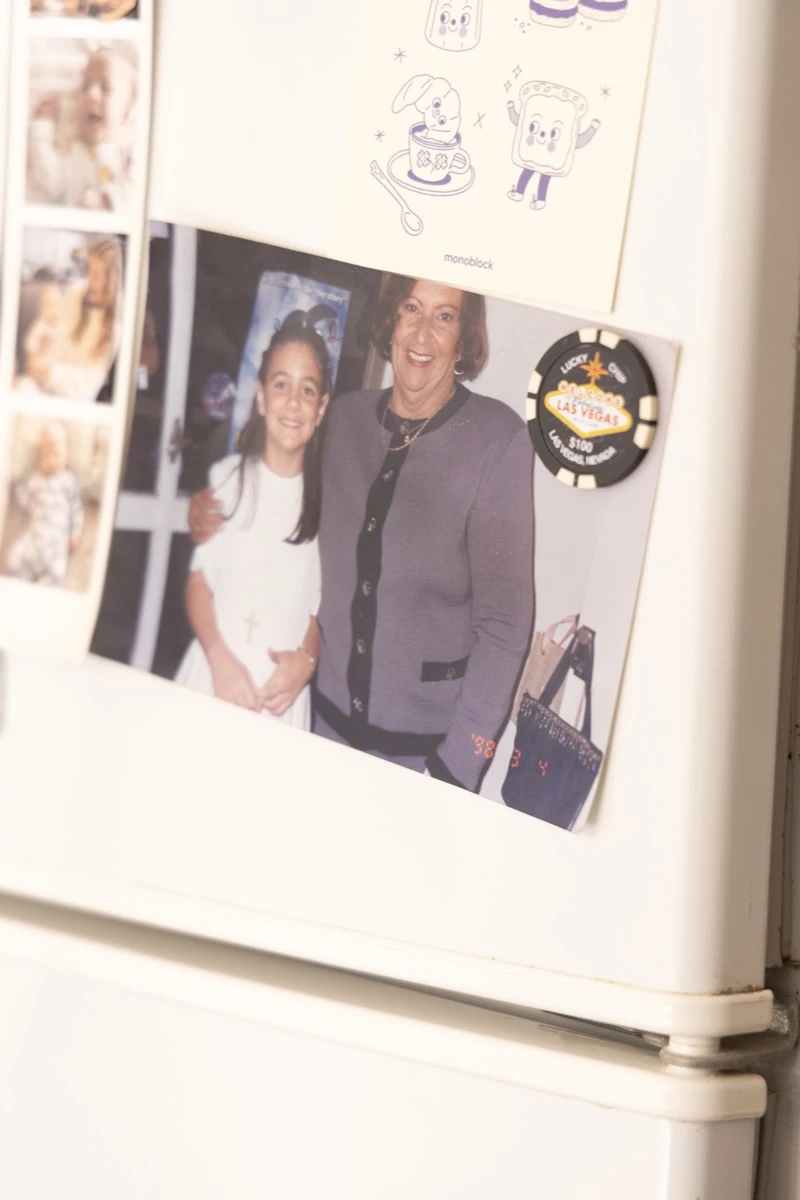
[410, 439]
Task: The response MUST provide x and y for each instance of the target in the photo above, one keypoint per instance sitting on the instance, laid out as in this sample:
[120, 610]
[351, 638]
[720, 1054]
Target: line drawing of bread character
[455, 24]
[547, 135]
[602, 10]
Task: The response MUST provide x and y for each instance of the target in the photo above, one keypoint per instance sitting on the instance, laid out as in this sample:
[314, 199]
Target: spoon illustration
[409, 219]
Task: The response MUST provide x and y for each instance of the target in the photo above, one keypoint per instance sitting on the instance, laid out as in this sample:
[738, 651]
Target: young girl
[71, 352]
[253, 591]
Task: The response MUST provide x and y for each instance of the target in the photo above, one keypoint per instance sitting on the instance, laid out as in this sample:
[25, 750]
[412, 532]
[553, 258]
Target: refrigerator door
[149, 1065]
[121, 794]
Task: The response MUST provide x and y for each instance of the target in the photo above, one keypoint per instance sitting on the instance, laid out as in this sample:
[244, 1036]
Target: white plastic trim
[675, 1014]
[310, 1001]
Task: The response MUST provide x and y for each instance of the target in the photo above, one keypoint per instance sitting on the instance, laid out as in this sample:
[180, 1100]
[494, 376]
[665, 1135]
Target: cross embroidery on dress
[251, 623]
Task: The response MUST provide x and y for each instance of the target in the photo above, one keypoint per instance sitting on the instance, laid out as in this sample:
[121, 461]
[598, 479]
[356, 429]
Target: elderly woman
[426, 544]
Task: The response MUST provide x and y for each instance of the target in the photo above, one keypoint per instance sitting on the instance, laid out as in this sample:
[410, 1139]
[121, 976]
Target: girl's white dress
[265, 589]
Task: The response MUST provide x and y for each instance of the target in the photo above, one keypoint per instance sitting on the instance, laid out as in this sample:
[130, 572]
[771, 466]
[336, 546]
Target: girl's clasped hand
[233, 682]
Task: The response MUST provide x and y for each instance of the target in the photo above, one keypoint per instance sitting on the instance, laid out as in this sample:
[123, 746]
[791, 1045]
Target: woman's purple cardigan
[427, 579]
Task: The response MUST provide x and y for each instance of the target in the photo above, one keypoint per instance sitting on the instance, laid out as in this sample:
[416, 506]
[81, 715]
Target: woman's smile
[425, 348]
[420, 370]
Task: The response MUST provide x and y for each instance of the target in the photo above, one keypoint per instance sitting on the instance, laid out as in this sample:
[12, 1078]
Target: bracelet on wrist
[310, 655]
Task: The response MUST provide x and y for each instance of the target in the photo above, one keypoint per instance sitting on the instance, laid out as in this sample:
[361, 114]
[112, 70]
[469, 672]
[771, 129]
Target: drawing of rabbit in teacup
[435, 152]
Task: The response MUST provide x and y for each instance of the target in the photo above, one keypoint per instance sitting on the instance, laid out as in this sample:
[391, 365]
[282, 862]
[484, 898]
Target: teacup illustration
[432, 161]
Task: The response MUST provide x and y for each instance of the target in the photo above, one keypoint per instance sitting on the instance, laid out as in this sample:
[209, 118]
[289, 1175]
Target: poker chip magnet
[592, 408]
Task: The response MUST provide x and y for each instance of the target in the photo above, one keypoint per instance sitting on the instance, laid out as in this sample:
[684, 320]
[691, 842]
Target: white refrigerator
[492, 1004]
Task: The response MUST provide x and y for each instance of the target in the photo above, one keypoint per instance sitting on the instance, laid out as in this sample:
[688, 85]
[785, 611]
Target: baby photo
[104, 10]
[70, 303]
[56, 478]
[82, 123]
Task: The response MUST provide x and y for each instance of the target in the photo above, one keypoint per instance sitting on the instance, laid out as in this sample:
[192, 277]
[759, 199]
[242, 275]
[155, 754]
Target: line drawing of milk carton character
[602, 10]
[454, 24]
[553, 12]
[547, 135]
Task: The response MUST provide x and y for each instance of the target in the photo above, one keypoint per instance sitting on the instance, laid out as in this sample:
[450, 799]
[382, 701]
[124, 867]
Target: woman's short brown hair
[474, 349]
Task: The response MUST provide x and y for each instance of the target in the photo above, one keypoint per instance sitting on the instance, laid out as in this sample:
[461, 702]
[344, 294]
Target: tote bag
[554, 765]
[546, 653]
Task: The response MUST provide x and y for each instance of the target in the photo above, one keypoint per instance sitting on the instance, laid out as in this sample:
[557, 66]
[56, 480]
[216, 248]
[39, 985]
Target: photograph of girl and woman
[69, 313]
[364, 564]
[82, 123]
[388, 682]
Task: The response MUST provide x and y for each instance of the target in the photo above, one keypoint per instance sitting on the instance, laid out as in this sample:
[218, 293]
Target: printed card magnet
[503, 137]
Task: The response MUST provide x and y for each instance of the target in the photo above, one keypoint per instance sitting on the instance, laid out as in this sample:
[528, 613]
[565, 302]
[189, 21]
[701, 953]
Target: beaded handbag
[554, 765]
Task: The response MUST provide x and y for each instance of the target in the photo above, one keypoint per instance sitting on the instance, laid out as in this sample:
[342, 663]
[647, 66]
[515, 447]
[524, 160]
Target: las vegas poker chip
[592, 408]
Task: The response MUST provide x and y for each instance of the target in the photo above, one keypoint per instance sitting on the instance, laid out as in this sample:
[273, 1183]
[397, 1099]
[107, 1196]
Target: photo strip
[82, 123]
[104, 10]
[70, 311]
[341, 494]
[78, 126]
[57, 475]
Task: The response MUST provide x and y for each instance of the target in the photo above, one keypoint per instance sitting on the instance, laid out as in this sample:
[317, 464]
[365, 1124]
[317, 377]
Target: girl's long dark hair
[299, 327]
